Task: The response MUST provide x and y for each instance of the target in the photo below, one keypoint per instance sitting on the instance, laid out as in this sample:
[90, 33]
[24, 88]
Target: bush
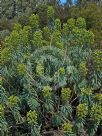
[50, 82]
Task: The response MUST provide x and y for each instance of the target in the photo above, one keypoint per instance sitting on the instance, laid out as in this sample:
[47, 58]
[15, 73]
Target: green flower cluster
[19, 36]
[86, 91]
[13, 100]
[24, 35]
[34, 21]
[89, 37]
[98, 97]
[82, 110]
[67, 27]
[82, 37]
[47, 91]
[21, 69]
[1, 110]
[50, 12]
[96, 112]
[40, 69]
[97, 59]
[83, 69]
[37, 38]
[5, 55]
[67, 127]
[65, 94]
[58, 24]
[61, 70]
[47, 33]
[17, 27]
[56, 41]
[13, 40]
[32, 117]
[81, 23]
[71, 23]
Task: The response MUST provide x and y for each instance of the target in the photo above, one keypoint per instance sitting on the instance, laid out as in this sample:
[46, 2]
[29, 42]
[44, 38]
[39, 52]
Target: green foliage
[56, 120]
[1, 110]
[92, 14]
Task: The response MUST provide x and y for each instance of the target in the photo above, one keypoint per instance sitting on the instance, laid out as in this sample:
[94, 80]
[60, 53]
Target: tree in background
[93, 16]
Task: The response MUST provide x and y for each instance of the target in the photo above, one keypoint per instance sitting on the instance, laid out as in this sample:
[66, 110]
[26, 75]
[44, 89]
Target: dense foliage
[51, 79]
[93, 16]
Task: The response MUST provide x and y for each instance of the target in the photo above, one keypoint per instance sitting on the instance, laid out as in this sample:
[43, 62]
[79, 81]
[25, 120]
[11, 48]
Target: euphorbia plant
[48, 80]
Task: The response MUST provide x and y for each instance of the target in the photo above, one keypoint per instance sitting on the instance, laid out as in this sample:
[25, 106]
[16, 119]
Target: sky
[63, 1]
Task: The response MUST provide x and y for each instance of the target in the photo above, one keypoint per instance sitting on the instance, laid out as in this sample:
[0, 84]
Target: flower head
[67, 127]
[21, 68]
[82, 110]
[65, 93]
[96, 112]
[47, 91]
[13, 100]
[32, 117]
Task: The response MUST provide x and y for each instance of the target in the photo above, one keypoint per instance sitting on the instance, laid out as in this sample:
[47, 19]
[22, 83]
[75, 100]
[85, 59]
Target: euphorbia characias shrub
[51, 78]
